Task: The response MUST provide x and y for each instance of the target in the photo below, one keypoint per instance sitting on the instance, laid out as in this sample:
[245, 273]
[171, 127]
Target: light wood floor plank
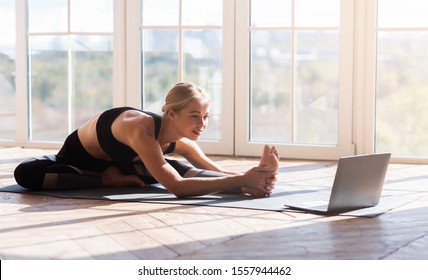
[136, 241]
[99, 245]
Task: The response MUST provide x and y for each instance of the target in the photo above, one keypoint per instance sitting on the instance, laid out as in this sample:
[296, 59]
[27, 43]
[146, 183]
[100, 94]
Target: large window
[70, 64]
[319, 79]
[294, 71]
[182, 41]
[7, 70]
[185, 40]
[401, 77]
[298, 84]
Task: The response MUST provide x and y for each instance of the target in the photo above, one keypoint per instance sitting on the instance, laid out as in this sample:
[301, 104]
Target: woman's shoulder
[128, 108]
[128, 112]
[118, 110]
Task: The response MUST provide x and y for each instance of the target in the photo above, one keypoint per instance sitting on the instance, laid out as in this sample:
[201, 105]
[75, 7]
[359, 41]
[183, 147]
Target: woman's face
[192, 120]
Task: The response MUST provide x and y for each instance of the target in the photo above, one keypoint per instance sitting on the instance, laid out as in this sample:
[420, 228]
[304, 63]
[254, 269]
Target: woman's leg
[182, 168]
[45, 173]
[208, 173]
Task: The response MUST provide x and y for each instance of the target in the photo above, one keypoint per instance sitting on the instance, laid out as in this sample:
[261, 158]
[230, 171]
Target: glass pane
[402, 86]
[271, 13]
[91, 16]
[47, 15]
[402, 13]
[270, 86]
[159, 66]
[160, 12]
[92, 58]
[317, 13]
[316, 87]
[7, 70]
[201, 13]
[202, 60]
[48, 87]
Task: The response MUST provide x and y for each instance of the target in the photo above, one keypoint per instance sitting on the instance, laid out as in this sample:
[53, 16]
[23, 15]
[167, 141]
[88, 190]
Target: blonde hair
[181, 94]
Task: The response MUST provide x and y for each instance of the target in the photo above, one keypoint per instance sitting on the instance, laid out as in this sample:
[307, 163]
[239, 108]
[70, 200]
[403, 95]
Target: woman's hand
[259, 183]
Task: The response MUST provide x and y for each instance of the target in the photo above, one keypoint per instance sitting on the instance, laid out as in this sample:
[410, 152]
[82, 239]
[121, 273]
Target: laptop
[358, 184]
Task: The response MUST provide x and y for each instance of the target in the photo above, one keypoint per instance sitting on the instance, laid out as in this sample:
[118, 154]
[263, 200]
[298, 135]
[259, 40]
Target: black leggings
[73, 167]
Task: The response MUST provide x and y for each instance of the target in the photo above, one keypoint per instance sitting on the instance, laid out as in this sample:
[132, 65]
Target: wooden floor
[43, 227]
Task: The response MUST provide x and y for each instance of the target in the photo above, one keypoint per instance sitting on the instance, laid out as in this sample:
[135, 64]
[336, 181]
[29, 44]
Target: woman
[125, 146]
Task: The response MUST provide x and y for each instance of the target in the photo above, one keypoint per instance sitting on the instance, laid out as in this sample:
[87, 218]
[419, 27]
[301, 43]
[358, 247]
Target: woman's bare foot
[270, 159]
[112, 177]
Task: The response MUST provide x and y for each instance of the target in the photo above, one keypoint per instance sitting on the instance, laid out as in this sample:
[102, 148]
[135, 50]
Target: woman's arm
[191, 151]
[151, 154]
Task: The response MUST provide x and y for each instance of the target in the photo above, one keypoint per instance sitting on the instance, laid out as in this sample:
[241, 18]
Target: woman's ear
[171, 114]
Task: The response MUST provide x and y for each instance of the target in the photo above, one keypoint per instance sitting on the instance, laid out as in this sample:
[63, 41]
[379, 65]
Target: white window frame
[224, 146]
[364, 76]
[344, 146]
[22, 98]
[365, 82]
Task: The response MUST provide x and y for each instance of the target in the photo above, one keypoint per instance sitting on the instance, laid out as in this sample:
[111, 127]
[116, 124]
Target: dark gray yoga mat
[158, 194]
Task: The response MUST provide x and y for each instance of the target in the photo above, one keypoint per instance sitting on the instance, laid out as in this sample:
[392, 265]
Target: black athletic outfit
[74, 167]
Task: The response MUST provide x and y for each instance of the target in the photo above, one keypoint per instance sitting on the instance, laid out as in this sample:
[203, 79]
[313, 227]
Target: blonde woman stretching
[126, 146]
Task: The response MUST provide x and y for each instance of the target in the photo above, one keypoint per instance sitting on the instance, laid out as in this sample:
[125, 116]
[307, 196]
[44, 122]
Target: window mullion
[22, 119]
[180, 42]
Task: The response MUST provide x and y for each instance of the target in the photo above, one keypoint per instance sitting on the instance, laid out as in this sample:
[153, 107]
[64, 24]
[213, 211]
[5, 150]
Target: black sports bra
[122, 154]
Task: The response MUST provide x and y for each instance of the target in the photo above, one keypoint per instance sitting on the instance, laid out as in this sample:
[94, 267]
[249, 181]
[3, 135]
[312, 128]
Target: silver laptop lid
[358, 182]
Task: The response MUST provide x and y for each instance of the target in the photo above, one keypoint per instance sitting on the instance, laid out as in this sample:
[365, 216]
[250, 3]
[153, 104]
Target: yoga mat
[158, 194]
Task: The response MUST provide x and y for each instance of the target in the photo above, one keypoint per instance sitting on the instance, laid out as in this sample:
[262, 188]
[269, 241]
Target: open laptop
[358, 184]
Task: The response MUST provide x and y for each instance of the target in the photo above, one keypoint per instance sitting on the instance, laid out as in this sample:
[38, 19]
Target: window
[7, 70]
[401, 78]
[319, 79]
[182, 41]
[300, 80]
[294, 71]
[187, 40]
[70, 64]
